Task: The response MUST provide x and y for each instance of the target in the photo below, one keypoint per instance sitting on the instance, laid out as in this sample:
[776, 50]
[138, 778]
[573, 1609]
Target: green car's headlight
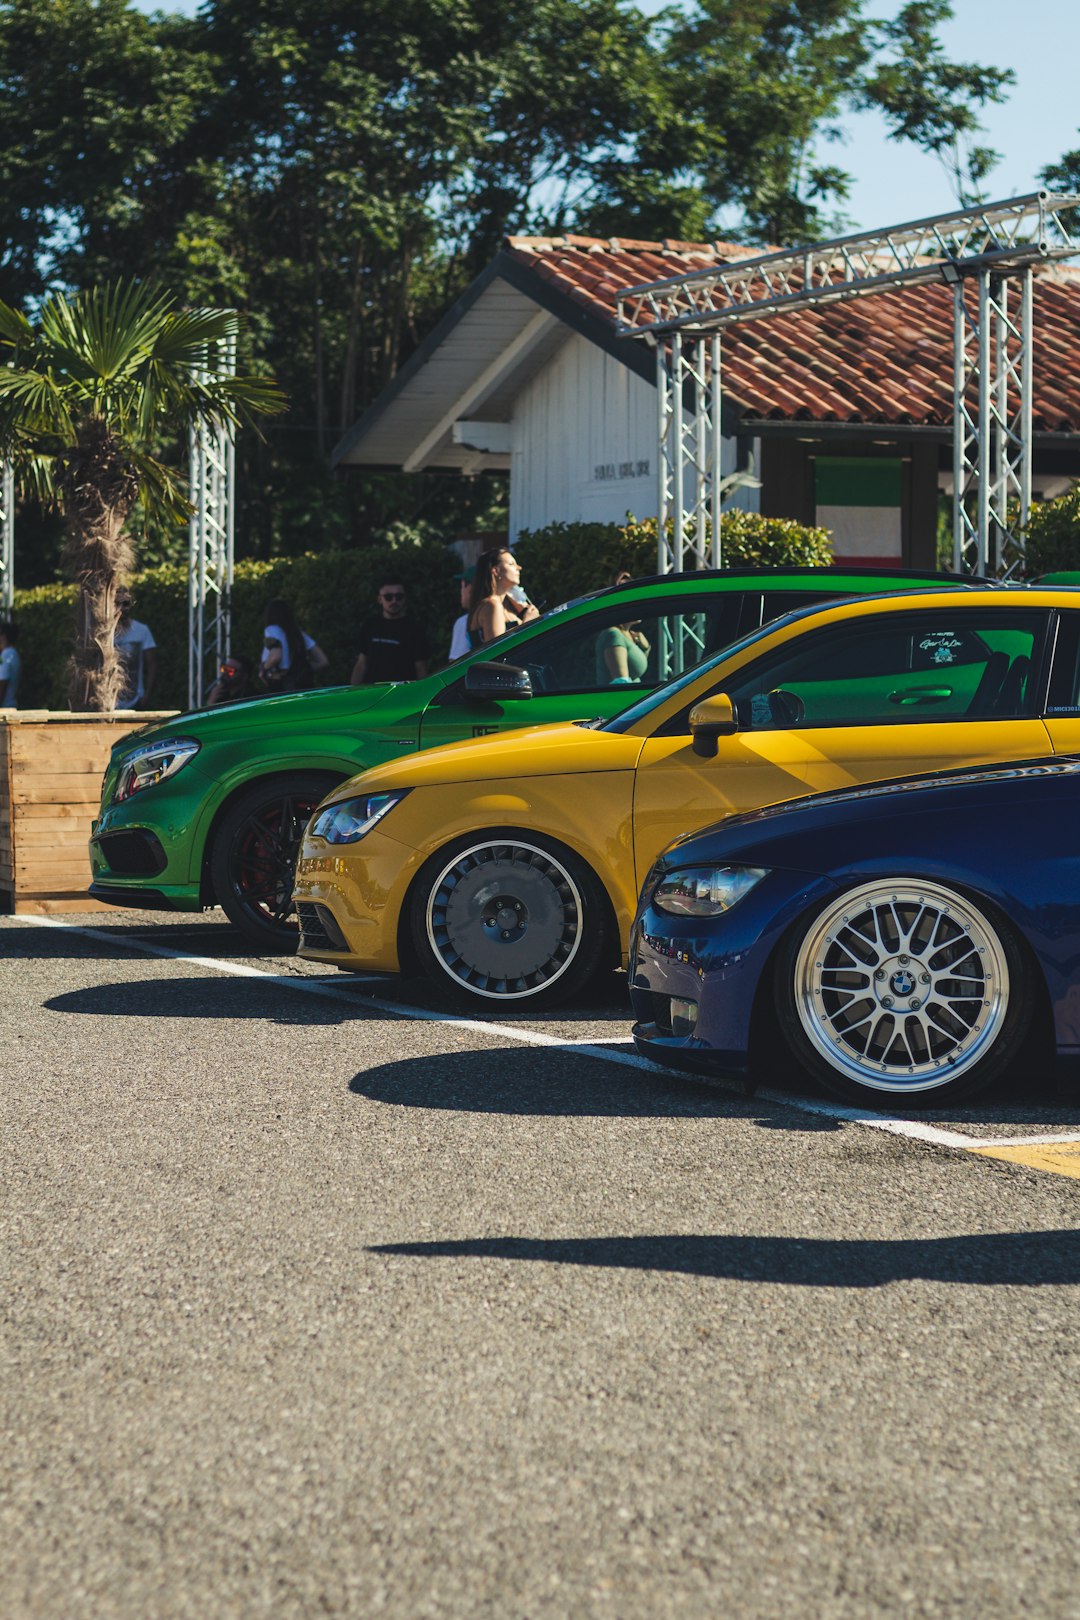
[705, 891]
[151, 764]
[350, 819]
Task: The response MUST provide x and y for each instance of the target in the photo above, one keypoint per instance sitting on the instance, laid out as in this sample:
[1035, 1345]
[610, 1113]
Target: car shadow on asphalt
[28, 942]
[1051, 1100]
[550, 1081]
[206, 998]
[1015, 1259]
[608, 998]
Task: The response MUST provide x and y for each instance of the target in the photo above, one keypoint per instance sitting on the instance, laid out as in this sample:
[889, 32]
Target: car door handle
[917, 695]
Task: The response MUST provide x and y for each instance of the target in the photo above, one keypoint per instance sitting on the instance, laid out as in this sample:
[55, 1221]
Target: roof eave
[533, 286]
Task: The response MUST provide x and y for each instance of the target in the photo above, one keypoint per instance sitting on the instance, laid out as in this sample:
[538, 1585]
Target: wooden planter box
[51, 767]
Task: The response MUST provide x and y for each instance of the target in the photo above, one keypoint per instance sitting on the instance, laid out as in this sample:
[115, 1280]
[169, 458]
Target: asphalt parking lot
[324, 1299]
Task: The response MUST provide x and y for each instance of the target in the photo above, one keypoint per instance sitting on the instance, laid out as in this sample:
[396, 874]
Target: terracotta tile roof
[886, 359]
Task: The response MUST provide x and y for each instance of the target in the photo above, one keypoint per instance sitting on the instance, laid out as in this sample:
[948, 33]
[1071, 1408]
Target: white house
[844, 411]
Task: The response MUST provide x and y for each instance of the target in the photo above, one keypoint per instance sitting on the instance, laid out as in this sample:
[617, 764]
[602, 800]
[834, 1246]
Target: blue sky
[1038, 39]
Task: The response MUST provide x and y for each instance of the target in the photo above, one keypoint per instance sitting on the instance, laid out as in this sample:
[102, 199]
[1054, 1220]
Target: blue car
[913, 940]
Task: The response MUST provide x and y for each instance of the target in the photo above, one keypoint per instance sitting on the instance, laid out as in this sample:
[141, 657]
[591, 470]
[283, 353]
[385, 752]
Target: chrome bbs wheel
[902, 986]
[505, 920]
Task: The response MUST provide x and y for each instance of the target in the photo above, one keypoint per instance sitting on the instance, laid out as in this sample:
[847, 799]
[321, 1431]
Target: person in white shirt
[136, 647]
[459, 636]
[290, 657]
[10, 666]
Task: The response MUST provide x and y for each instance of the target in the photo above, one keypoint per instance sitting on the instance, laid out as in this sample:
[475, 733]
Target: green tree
[932, 101]
[1064, 175]
[340, 170]
[1052, 540]
[752, 94]
[84, 393]
[93, 98]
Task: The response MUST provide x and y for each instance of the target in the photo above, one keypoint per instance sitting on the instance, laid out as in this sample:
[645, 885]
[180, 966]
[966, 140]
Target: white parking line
[1023, 1141]
[601, 1047]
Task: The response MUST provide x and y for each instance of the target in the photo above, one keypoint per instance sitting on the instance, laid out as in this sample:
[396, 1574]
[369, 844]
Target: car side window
[909, 669]
[626, 643]
[1064, 695]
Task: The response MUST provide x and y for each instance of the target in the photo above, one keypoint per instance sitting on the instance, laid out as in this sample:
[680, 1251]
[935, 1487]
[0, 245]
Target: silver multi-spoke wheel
[504, 919]
[902, 986]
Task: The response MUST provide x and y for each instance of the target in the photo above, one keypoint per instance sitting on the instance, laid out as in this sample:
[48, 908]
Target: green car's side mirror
[501, 683]
[713, 717]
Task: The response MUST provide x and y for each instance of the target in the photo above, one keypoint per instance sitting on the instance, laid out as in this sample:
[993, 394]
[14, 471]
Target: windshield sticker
[940, 647]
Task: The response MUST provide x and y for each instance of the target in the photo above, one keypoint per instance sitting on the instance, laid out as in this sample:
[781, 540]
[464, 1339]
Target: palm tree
[88, 389]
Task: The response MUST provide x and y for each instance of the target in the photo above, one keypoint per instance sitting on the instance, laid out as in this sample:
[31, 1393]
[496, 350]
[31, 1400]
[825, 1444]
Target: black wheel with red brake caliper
[254, 856]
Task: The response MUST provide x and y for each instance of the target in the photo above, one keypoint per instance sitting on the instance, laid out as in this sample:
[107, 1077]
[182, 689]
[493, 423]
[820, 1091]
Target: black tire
[508, 917]
[254, 856]
[903, 992]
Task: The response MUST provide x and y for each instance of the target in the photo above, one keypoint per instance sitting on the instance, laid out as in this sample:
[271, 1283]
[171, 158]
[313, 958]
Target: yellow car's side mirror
[713, 717]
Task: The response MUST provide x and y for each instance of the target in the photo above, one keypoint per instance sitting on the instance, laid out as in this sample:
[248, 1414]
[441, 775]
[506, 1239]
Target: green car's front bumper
[141, 850]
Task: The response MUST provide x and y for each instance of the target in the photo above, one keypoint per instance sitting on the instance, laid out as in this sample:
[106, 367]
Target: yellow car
[509, 867]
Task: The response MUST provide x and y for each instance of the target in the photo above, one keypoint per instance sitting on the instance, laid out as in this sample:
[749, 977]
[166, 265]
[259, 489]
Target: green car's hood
[555, 750]
[295, 712]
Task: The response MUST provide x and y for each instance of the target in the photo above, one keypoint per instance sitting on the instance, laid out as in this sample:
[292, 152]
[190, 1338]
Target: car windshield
[640, 711]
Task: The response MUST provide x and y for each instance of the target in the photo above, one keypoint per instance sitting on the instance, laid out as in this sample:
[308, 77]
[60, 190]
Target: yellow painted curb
[1060, 1158]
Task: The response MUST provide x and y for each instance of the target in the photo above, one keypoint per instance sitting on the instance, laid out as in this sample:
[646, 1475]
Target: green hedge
[565, 560]
[1053, 535]
[332, 592]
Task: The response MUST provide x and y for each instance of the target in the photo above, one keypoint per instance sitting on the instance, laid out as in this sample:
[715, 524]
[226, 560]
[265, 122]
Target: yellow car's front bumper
[363, 888]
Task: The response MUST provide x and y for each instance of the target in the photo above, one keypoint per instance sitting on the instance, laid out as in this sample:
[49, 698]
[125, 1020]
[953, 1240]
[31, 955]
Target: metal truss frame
[687, 378]
[993, 244]
[7, 535]
[687, 384]
[992, 358]
[212, 448]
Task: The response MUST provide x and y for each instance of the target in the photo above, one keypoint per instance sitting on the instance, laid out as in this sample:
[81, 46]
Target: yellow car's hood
[533, 751]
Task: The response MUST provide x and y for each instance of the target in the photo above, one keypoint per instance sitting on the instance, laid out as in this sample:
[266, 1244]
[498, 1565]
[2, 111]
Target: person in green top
[622, 655]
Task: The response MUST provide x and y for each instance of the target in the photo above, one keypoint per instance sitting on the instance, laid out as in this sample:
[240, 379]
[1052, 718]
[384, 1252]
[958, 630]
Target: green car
[208, 808]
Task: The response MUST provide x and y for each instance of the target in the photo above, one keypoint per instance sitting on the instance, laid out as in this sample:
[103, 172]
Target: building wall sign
[608, 471]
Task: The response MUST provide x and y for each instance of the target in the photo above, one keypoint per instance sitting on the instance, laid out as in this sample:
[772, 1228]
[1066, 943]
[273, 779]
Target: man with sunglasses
[393, 647]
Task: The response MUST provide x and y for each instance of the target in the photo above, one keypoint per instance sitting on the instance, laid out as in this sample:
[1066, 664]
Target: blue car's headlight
[705, 891]
[350, 819]
[152, 764]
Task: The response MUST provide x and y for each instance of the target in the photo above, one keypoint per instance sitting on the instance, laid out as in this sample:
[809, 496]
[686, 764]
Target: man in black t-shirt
[392, 647]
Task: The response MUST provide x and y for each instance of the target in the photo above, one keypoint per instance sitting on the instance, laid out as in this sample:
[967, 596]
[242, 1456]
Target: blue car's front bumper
[716, 964]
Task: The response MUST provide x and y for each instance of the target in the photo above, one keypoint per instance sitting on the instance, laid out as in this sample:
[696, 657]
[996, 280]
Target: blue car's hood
[802, 823]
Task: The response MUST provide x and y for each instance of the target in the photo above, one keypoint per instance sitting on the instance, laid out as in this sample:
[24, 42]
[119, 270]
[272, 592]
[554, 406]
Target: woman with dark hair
[289, 657]
[498, 603]
[622, 654]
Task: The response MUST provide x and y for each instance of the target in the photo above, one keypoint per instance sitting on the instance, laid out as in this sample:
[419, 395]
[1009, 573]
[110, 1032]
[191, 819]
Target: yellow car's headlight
[350, 819]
